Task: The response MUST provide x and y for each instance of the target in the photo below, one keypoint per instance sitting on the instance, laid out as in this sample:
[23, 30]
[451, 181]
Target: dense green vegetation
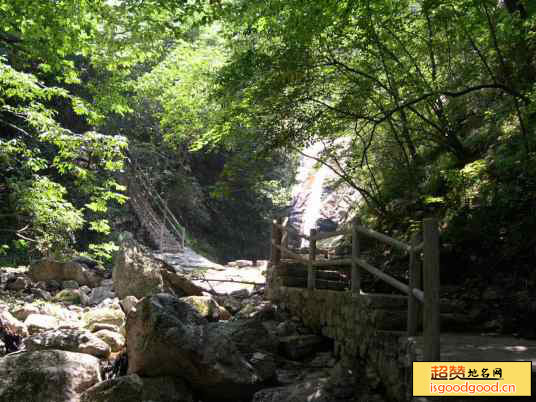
[82, 82]
[426, 107]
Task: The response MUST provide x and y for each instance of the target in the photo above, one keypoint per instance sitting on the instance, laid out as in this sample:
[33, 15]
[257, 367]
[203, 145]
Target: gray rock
[240, 294]
[71, 340]
[42, 294]
[136, 274]
[84, 298]
[299, 346]
[286, 328]
[99, 294]
[180, 285]
[40, 322]
[70, 285]
[253, 341]
[129, 303]
[20, 283]
[115, 340]
[53, 284]
[47, 376]
[250, 336]
[232, 304]
[133, 388]
[3, 349]
[85, 289]
[167, 337]
[110, 316]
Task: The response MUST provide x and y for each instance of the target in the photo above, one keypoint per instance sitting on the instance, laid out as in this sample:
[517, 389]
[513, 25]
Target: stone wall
[352, 322]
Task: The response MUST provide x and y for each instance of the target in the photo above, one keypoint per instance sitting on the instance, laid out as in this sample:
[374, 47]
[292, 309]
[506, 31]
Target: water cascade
[317, 202]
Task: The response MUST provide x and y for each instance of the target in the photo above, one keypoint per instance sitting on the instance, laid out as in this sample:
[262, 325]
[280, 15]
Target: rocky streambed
[69, 332]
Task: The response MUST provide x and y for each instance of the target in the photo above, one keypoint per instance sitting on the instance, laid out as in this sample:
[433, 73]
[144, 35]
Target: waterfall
[316, 205]
[307, 194]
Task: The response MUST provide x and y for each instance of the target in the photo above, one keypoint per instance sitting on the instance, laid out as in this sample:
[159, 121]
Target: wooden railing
[167, 218]
[427, 243]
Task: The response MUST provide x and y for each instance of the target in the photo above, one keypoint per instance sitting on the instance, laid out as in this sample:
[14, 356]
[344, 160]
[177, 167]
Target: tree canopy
[423, 106]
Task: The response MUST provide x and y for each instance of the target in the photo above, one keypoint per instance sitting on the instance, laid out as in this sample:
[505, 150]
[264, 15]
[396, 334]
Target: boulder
[47, 376]
[180, 285]
[40, 322]
[133, 388]
[249, 336]
[48, 270]
[110, 316]
[99, 294]
[167, 337]
[13, 325]
[135, 273]
[253, 341]
[71, 340]
[69, 296]
[115, 340]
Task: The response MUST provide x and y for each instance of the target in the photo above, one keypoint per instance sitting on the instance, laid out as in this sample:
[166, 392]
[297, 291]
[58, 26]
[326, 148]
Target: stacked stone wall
[351, 322]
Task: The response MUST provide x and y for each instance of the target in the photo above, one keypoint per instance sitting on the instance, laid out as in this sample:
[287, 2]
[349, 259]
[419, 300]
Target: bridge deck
[478, 347]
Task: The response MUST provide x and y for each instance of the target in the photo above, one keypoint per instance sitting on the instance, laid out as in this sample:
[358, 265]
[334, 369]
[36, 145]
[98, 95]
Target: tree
[407, 84]
[72, 58]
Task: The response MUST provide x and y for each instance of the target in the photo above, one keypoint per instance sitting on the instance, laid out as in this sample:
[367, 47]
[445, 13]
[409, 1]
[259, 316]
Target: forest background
[425, 107]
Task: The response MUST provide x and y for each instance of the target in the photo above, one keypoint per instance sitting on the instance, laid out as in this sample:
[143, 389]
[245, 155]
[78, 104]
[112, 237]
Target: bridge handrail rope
[428, 296]
[169, 219]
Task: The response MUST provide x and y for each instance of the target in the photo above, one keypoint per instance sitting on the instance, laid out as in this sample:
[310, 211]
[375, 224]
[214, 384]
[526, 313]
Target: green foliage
[51, 217]
[102, 252]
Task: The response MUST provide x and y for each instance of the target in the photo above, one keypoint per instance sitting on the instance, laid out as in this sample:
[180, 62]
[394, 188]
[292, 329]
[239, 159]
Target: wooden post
[431, 290]
[414, 283]
[284, 237]
[276, 237]
[356, 251]
[311, 275]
